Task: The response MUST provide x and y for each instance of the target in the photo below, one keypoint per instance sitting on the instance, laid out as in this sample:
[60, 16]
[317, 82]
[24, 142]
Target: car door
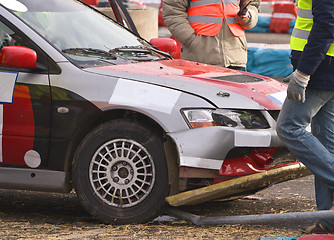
[25, 104]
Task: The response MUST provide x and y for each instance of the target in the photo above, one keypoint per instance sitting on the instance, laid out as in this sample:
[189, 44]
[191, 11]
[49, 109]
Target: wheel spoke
[115, 149]
[99, 171]
[122, 149]
[143, 168]
[145, 175]
[107, 191]
[103, 158]
[129, 151]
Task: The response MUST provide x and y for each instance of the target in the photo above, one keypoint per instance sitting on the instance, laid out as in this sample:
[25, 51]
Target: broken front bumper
[208, 147]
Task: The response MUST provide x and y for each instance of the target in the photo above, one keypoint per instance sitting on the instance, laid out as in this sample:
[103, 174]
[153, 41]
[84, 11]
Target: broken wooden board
[238, 186]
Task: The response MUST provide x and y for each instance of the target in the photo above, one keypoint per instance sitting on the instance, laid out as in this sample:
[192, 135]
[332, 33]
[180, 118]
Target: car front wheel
[120, 173]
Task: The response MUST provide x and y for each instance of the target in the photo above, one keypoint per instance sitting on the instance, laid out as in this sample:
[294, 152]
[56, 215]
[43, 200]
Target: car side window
[11, 36]
[8, 37]
[5, 37]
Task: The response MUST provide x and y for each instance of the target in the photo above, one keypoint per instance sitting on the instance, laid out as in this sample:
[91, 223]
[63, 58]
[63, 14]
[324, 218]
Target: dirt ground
[34, 215]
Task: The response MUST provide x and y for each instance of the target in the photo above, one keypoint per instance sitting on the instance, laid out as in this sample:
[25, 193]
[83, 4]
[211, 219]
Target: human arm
[320, 38]
[249, 20]
[176, 19]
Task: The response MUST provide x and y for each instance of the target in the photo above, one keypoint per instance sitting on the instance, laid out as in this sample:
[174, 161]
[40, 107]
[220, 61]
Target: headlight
[248, 119]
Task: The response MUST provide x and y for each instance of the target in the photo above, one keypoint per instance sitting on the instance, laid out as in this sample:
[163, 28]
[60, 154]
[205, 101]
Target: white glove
[297, 85]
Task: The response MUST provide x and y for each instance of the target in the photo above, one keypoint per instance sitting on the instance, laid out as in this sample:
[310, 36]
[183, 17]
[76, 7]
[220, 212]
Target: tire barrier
[282, 15]
[269, 60]
[262, 25]
[272, 2]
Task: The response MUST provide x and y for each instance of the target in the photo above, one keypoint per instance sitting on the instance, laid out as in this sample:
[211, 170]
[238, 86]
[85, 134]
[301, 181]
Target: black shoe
[318, 229]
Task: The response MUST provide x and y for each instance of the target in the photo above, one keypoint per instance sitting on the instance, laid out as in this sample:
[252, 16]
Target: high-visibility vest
[206, 16]
[303, 27]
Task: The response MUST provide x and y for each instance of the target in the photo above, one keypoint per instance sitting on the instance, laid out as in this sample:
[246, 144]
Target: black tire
[121, 157]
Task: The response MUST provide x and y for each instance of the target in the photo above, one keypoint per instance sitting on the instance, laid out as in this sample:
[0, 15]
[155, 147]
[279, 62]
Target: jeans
[315, 150]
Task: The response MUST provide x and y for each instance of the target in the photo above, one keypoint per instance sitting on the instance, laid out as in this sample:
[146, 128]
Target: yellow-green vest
[303, 27]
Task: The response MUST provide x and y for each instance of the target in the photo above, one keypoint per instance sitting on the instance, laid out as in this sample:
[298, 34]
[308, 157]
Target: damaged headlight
[248, 119]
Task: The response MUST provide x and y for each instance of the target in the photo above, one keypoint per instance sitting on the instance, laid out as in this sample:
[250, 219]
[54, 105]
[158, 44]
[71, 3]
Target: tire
[120, 173]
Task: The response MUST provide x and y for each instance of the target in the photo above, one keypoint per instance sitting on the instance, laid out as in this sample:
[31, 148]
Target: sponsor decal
[143, 95]
[278, 97]
[17, 127]
[32, 159]
[7, 82]
[243, 138]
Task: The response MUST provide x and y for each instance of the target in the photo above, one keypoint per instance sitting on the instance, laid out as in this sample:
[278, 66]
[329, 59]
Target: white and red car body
[44, 116]
[157, 90]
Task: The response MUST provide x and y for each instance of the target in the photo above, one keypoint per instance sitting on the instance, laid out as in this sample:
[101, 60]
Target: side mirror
[91, 2]
[18, 56]
[167, 45]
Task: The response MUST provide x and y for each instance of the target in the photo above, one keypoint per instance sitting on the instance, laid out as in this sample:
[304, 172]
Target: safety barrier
[262, 25]
[282, 15]
[272, 2]
[269, 59]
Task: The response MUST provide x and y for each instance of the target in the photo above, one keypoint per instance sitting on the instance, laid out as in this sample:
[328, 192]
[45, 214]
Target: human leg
[323, 130]
[314, 150]
[294, 117]
[324, 199]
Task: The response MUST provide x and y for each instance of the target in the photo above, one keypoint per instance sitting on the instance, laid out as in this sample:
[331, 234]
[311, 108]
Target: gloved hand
[297, 85]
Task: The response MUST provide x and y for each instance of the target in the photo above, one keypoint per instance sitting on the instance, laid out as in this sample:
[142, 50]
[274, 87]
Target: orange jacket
[206, 16]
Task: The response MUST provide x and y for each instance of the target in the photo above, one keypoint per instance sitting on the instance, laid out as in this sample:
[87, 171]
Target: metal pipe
[257, 219]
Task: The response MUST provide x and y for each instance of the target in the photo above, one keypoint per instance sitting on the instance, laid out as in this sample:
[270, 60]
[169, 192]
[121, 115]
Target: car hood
[220, 86]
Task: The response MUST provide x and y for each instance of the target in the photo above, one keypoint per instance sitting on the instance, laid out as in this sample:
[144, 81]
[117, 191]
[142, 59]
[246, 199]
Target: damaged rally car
[87, 104]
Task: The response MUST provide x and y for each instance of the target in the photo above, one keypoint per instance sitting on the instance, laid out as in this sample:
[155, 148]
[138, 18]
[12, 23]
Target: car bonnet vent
[239, 78]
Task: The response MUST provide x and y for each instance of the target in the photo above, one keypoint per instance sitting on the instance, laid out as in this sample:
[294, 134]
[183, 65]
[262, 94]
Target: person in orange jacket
[211, 31]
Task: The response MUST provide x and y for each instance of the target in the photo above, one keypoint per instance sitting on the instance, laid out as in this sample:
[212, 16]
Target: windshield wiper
[90, 52]
[140, 49]
[137, 49]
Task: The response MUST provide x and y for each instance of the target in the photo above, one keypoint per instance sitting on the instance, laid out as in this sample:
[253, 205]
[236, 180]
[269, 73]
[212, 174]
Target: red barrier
[282, 15]
[272, 2]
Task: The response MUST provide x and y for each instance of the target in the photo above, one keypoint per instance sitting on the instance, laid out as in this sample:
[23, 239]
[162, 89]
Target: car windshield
[83, 35]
